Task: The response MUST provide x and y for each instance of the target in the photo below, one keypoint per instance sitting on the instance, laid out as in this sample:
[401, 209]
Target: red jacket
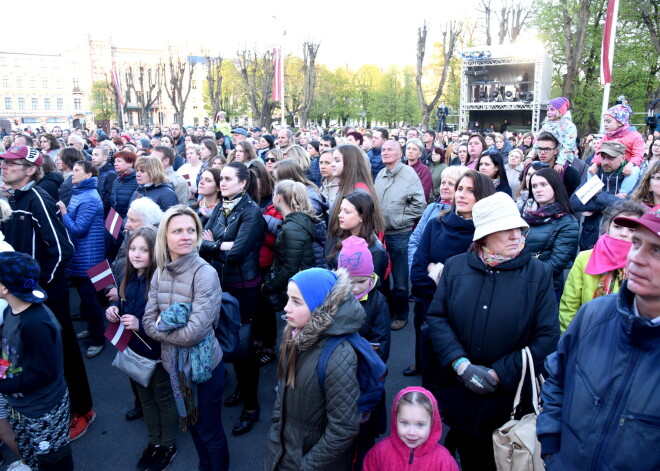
[633, 141]
[266, 252]
[391, 454]
[424, 175]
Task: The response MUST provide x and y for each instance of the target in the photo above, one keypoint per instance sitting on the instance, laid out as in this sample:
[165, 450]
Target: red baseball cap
[23, 152]
[650, 220]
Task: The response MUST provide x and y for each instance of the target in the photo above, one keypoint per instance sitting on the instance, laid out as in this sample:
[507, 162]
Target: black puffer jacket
[312, 430]
[246, 228]
[556, 243]
[51, 183]
[475, 315]
[294, 251]
[162, 194]
[122, 189]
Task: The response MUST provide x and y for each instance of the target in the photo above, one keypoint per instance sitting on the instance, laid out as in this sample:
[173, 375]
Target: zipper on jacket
[615, 406]
[412, 456]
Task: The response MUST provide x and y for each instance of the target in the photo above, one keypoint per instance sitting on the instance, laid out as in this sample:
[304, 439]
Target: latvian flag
[101, 275]
[113, 223]
[118, 335]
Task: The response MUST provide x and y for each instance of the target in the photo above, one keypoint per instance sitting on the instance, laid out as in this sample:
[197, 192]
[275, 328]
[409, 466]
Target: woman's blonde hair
[162, 251]
[300, 155]
[643, 193]
[154, 167]
[454, 172]
[195, 147]
[294, 195]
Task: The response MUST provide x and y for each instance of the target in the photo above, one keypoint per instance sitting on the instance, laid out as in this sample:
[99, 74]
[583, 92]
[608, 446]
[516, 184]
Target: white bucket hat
[496, 213]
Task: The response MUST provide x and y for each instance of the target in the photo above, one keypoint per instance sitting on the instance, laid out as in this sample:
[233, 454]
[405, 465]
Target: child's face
[610, 124]
[413, 425]
[360, 284]
[138, 254]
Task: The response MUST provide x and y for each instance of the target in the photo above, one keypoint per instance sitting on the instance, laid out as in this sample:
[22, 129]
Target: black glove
[478, 380]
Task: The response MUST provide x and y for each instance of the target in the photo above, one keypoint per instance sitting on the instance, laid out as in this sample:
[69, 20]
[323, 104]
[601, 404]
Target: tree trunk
[257, 76]
[310, 50]
[179, 89]
[214, 82]
[487, 11]
[574, 42]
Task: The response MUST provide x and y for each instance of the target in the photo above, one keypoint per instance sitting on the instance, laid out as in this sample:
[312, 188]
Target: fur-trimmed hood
[339, 314]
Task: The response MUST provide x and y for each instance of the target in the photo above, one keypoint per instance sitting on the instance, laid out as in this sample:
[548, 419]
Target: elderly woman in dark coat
[491, 303]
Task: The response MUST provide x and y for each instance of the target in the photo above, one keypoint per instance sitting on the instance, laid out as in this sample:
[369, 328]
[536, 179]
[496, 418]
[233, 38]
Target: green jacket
[312, 430]
[579, 289]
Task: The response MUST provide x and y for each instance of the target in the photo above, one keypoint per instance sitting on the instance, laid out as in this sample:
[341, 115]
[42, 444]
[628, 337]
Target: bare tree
[310, 49]
[520, 12]
[120, 97]
[214, 82]
[574, 39]
[450, 34]
[180, 82]
[257, 72]
[503, 21]
[146, 83]
[487, 12]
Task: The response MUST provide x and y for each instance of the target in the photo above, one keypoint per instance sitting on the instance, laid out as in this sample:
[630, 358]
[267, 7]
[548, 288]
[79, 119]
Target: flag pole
[608, 47]
[282, 56]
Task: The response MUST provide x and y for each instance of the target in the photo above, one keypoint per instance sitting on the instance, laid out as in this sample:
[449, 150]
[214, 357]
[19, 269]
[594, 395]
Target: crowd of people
[341, 230]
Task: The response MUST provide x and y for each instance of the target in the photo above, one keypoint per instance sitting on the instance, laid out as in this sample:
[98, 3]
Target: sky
[350, 32]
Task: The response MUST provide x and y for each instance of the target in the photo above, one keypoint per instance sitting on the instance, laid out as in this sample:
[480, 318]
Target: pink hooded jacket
[391, 454]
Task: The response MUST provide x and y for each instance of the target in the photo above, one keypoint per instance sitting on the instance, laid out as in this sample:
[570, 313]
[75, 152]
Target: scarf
[188, 365]
[206, 210]
[611, 136]
[608, 281]
[608, 254]
[491, 259]
[228, 205]
[535, 216]
[496, 182]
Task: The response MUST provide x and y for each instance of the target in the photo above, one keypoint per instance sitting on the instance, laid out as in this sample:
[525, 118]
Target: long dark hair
[483, 187]
[264, 181]
[243, 174]
[498, 162]
[364, 205]
[217, 177]
[554, 180]
[148, 233]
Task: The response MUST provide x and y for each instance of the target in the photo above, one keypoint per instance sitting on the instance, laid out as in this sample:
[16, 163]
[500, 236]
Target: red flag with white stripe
[609, 34]
[276, 95]
[113, 223]
[117, 84]
[101, 275]
[118, 335]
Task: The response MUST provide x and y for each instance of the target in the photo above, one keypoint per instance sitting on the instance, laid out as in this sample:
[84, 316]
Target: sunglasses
[271, 159]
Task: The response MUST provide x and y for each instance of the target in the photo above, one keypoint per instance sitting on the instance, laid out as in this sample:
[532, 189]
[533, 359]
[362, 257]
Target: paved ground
[112, 443]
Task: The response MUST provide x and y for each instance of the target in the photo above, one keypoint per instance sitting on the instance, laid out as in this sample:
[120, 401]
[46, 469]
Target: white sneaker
[18, 466]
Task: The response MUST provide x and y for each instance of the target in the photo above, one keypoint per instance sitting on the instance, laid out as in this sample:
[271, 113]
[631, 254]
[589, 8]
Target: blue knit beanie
[314, 285]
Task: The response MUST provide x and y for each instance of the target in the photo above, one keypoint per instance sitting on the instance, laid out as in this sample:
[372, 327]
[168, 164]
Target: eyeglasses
[546, 149]
[271, 159]
[11, 163]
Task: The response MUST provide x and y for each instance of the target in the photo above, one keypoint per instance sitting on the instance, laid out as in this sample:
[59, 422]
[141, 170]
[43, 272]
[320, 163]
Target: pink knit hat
[561, 104]
[356, 257]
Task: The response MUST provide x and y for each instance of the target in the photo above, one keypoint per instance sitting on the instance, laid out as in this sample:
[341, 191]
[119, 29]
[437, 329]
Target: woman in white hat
[491, 302]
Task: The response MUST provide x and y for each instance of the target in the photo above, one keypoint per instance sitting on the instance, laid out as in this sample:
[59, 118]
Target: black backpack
[233, 337]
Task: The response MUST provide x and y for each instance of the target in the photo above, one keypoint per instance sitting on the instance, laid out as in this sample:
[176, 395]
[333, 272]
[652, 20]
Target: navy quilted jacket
[162, 194]
[122, 189]
[84, 221]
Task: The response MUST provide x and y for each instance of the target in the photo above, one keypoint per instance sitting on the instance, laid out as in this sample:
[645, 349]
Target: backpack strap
[328, 348]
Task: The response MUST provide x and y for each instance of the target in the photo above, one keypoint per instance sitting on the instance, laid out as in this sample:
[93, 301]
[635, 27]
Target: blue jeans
[208, 435]
[397, 296]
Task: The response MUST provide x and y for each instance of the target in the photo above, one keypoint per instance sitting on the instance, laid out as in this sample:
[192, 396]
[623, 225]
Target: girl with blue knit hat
[312, 428]
[559, 123]
[616, 123]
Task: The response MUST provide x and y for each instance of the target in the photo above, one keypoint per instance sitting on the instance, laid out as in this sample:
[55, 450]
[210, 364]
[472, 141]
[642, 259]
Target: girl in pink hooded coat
[414, 445]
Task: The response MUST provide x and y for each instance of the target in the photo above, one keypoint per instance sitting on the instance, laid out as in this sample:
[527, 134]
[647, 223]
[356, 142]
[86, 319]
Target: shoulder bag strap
[532, 377]
[516, 399]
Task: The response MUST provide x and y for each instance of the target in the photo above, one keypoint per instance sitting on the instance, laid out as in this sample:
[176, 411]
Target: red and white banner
[113, 223]
[609, 34]
[116, 81]
[278, 75]
[101, 275]
[118, 335]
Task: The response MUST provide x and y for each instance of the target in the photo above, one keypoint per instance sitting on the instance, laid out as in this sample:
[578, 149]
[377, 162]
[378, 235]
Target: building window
[60, 103]
[47, 103]
[76, 83]
[21, 103]
[194, 84]
[8, 105]
[77, 103]
[35, 103]
[58, 83]
[19, 82]
[45, 82]
[33, 83]
[5, 82]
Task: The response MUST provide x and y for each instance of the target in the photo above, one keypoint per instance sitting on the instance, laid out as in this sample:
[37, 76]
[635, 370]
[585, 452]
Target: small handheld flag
[113, 223]
[118, 335]
[101, 275]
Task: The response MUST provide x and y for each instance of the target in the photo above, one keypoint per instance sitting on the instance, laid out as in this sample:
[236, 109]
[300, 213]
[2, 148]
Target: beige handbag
[515, 444]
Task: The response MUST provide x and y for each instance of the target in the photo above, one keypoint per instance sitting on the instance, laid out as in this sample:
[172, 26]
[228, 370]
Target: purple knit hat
[561, 104]
[621, 113]
[356, 257]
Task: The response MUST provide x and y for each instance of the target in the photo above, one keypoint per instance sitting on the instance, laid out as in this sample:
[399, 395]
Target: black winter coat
[162, 194]
[489, 316]
[377, 324]
[246, 228]
[107, 176]
[51, 183]
[556, 244]
[294, 251]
